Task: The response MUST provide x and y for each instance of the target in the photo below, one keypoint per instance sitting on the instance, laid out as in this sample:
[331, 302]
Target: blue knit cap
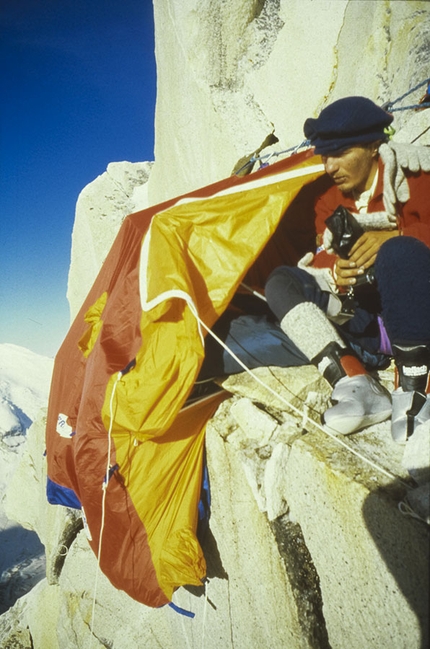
[345, 123]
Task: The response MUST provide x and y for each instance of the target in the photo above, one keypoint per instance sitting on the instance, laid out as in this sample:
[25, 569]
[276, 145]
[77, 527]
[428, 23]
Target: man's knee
[402, 271]
[284, 290]
[289, 286]
[402, 252]
[280, 280]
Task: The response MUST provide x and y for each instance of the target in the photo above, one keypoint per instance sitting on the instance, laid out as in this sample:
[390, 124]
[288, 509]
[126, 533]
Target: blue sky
[78, 91]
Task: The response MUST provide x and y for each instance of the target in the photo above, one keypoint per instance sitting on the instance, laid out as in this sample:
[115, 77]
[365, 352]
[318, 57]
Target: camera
[346, 231]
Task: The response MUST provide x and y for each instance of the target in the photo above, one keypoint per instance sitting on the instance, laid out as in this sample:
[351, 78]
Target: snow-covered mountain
[25, 379]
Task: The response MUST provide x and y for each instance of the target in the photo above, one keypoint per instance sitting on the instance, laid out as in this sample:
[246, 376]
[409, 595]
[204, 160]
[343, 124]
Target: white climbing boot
[360, 401]
[411, 401]
[410, 410]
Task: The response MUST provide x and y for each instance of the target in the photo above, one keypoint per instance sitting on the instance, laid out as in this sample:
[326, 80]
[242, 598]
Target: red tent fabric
[120, 442]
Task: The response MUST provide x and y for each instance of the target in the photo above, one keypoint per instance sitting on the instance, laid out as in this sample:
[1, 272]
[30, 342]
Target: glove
[409, 156]
[376, 221]
[396, 186]
[368, 221]
[327, 241]
[397, 156]
[323, 276]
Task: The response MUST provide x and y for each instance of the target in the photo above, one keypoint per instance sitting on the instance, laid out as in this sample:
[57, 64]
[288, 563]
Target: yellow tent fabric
[170, 271]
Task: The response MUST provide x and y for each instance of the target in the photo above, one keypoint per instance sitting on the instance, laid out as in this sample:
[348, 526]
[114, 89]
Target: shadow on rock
[214, 565]
[403, 543]
[22, 564]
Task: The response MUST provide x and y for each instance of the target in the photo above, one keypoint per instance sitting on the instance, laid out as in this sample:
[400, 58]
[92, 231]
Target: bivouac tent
[120, 443]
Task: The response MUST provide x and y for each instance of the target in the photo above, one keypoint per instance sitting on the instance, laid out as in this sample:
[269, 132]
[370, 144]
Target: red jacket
[413, 216]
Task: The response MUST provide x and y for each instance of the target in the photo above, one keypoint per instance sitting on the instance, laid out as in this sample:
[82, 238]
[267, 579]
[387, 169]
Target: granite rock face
[306, 544]
[307, 547]
[101, 208]
[231, 73]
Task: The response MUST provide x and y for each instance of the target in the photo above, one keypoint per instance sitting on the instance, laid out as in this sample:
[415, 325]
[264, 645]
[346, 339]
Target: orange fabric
[170, 266]
[352, 366]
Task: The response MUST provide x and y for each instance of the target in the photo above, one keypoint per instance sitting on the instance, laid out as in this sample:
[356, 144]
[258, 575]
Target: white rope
[337, 439]
[64, 552]
[303, 414]
[104, 489]
[184, 630]
[205, 607]
[407, 510]
[251, 290]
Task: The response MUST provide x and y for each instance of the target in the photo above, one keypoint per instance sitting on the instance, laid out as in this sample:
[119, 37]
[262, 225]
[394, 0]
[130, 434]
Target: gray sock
[310, 329]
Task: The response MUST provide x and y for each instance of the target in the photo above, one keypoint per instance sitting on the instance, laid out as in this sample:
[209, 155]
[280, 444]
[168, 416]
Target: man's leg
[254, 339]
[299, 304]
[402, 271]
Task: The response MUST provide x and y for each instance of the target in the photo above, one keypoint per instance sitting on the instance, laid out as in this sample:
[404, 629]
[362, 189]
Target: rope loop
[388, 106]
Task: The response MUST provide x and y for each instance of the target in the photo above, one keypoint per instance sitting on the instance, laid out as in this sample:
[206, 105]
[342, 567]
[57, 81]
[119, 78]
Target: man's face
[353, 169]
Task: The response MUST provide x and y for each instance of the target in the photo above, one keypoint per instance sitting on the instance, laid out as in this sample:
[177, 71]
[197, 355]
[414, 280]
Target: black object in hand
[346, 231]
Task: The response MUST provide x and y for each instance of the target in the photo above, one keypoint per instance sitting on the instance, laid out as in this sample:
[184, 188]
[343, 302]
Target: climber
[350, 314]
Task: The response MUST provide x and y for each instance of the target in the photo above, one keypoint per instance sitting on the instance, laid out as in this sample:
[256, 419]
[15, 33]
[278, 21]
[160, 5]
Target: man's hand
[362, 256]
[346, 272]
[363, 252]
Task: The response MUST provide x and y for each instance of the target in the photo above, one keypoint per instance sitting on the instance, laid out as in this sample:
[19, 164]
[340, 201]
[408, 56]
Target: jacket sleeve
[415, 213]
